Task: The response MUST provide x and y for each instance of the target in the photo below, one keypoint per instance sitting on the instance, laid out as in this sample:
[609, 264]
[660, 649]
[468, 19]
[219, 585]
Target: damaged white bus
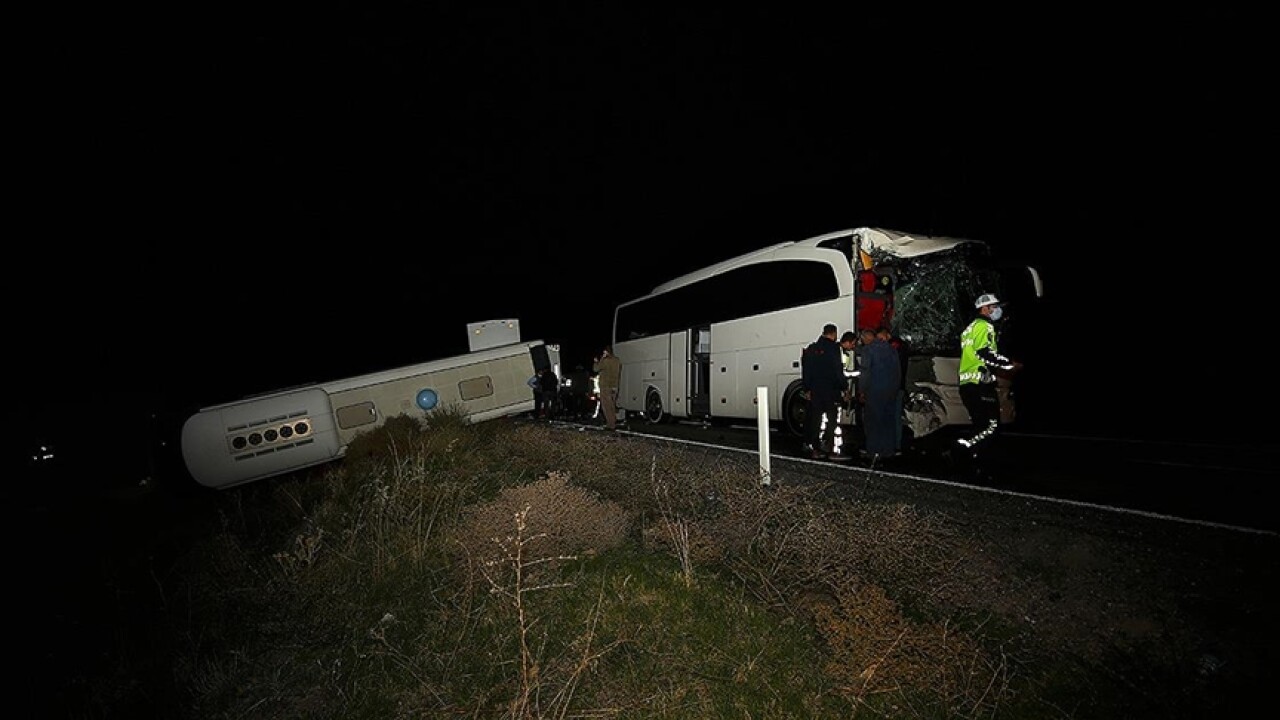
[699, 346]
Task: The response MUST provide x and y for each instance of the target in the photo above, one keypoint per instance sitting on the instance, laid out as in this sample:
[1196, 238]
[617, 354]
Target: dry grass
[442, 572]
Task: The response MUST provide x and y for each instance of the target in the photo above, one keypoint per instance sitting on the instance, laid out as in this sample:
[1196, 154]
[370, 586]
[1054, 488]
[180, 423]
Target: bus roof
[892, 242]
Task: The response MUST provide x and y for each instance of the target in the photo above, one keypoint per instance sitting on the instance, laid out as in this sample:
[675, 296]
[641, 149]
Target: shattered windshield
[933, 296]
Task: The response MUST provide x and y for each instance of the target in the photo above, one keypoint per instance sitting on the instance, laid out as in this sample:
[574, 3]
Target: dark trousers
[983, 404]
[817, 436]
[544, 403]
[879, 417]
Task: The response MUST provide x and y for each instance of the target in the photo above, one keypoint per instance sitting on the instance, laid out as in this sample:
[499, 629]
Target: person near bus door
[899, 350]
[574, 391]
[545, 386]
[549, 386]
[878, 383]
[849, 400]
[609, 373]
[822, 374]
[849, 348]
[980, 360]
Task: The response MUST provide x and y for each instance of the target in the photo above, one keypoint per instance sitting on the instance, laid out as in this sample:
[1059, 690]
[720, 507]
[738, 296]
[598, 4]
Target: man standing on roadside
[609, 372]
[900, 352]
[878, 390]
[822, 374]
[979, 360]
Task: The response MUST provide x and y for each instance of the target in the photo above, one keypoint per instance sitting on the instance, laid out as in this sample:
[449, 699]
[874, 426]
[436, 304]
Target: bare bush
[675, 529]
[571, 519]
[834, 563]
[876, 649]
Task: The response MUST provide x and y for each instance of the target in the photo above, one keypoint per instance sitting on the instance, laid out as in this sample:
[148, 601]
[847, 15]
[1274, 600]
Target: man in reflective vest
[980, 359]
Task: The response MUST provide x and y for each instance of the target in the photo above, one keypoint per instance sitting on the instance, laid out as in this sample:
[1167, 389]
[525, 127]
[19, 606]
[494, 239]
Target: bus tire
[653, 410]
[795, 406]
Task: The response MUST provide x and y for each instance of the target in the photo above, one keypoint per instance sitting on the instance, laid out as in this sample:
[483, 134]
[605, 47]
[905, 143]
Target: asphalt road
[1207, 483]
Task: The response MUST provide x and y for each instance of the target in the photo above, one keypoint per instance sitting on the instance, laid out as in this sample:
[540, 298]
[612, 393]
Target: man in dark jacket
[900, 350]
[878, 388]
[545, 386]
[822, 374]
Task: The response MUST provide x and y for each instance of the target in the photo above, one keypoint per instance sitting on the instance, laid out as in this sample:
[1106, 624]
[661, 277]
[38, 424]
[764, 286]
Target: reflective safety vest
[980, 334]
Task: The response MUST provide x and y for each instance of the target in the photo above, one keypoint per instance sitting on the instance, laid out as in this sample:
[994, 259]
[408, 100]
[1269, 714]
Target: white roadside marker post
[762, 423]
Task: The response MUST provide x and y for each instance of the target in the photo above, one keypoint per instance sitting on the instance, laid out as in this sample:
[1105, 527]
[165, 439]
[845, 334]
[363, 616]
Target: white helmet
[986, 299]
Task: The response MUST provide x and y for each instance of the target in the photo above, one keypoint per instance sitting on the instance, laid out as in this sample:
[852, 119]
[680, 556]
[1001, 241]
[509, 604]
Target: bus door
[699, 371]
[675, 394]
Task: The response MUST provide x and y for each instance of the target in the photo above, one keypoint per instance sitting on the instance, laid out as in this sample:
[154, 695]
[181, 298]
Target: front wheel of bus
[653, 410]
[795, 406]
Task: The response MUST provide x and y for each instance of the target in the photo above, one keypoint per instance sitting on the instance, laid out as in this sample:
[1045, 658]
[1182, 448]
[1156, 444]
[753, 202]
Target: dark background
[210, 207]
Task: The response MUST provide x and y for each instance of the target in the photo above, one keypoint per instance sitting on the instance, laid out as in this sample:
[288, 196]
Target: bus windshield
[933, 295]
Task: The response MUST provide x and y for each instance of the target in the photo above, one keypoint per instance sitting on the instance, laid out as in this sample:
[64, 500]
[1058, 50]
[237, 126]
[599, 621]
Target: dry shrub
[674, 528]
[621, 469]
[868, 576]
[776, 540]
[796, 538]
[700, 548]
[438, 440]
[901, 546]
[875, 649]
[571, 520]
[397, 433]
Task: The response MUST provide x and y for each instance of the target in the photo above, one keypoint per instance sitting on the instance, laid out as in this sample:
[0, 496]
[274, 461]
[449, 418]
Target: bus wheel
[653, 411]
[795, 406]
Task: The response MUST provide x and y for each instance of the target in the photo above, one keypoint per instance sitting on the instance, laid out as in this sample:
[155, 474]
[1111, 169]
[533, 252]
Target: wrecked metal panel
[934, 295]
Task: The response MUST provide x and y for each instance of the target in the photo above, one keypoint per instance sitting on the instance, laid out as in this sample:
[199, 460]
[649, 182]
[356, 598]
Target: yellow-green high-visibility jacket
[978, 353]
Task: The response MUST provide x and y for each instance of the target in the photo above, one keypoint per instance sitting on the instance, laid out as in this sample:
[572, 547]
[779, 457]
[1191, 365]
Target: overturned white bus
[266, 435]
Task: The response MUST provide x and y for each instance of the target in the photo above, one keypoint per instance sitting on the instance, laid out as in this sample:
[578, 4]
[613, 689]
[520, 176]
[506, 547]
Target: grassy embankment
[527, 571]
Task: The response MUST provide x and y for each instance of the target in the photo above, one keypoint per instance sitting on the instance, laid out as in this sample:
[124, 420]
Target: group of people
[549, 400]
[870, 368]
[867, 367]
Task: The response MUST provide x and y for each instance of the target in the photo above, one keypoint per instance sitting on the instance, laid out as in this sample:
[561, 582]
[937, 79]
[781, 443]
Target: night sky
[213, 207]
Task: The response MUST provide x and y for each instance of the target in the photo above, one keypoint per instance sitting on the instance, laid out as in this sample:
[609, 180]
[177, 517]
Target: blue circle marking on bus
[427, 398]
